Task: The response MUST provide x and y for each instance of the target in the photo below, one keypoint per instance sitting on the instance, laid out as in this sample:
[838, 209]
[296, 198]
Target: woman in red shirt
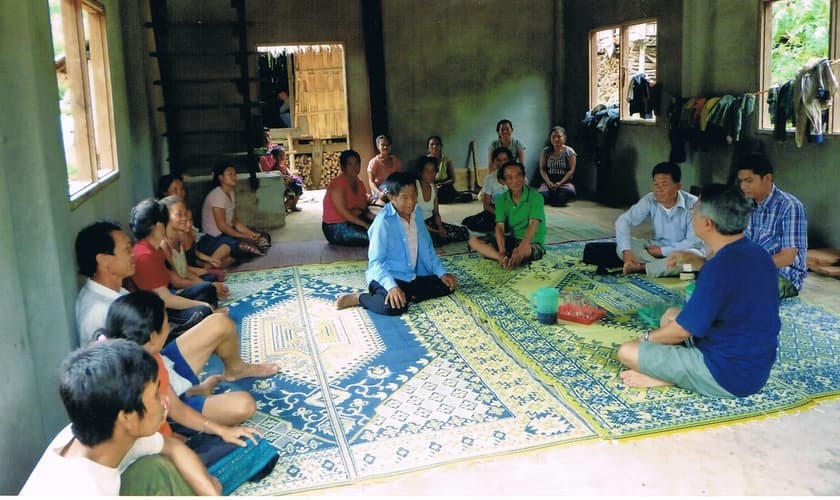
[346, 216]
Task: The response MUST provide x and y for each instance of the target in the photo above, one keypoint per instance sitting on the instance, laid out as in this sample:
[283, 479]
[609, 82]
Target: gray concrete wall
[38, 296]
[639, 146]
[323, 21]
[705, 48]
[456, 68]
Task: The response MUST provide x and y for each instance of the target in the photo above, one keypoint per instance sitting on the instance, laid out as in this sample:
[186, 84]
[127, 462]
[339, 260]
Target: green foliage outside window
[800, 34]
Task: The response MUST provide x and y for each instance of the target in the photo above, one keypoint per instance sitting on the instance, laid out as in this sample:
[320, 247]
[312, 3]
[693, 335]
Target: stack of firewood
[329, 167]
[303, 164]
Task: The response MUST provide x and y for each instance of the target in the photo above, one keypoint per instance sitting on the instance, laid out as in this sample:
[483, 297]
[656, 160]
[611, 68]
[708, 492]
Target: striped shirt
[779, 222]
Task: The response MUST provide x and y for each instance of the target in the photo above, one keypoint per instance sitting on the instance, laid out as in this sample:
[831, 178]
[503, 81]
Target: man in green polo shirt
[521, 212]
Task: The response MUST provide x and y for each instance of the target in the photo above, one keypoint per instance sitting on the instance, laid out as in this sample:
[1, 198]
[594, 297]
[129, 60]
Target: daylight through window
[623, 69]
[795, 35]
[84, 92]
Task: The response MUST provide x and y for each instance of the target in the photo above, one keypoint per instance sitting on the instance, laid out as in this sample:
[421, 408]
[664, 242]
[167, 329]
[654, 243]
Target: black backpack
[603, 255]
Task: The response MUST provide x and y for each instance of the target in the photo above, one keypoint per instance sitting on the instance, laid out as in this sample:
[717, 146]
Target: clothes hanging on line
[640, 96]
[803, 102]
[703, 121]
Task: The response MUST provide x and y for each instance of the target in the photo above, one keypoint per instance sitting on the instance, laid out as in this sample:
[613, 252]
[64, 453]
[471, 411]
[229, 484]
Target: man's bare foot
[632, 378]
[630, 268]
[205, 388]
[245, 370]
[347, 300]
[440, 251]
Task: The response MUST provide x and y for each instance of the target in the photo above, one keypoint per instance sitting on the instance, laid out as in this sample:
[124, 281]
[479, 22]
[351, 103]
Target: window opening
[80, 52]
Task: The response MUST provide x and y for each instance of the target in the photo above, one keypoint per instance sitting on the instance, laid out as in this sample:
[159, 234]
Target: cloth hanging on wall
[803, 103]
[704, 121]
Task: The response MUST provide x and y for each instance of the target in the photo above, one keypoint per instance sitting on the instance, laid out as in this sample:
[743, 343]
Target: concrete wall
[36, 254]
[705, 48]
[730, 33]
[639, 146]
[323, 21]
[456, 68]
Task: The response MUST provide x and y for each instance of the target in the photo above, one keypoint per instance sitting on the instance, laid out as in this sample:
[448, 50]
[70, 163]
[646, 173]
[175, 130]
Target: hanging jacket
[812, 90]
[707, 109]
[742, 112]
[783, 110]
[675, 133]
[638, 95]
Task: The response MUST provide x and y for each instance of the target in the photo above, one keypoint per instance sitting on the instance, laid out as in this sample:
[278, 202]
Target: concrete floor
[794, 453]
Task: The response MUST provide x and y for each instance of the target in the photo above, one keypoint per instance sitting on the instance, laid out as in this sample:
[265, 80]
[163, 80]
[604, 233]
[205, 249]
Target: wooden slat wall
[320, 107]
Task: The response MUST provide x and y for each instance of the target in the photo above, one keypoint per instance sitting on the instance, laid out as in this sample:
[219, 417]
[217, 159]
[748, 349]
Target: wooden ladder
[206, 81]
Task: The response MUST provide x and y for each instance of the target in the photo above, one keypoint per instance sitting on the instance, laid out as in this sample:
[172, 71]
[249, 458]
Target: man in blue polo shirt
[723, 342]
[778, 223]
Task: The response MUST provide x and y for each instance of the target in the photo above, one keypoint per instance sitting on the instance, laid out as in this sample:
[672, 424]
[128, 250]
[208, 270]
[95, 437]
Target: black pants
[422, 288]
[181, 320]
[345, 234]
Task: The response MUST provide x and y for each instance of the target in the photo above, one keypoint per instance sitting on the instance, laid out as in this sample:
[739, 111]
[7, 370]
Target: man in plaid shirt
[778, 223]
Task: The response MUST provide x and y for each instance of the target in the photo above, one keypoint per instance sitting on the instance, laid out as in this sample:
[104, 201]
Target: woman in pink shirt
[381, 166]
[346, 216]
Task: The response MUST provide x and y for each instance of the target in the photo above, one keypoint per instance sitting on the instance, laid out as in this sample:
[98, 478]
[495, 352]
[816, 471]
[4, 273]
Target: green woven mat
[579, 361]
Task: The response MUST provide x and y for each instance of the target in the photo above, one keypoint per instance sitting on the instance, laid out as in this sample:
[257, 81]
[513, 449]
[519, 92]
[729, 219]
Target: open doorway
[303, 91]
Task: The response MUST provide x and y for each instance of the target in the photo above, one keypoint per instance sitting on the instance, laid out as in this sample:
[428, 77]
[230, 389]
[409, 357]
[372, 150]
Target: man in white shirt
[111, 392]
[669, 209]
[104, 255]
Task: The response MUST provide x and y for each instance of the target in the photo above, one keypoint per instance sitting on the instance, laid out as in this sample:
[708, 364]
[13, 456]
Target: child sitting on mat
[519, 234]
[402, 264]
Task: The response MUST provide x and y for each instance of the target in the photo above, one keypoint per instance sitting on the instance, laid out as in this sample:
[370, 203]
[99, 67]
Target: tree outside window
[796, 33]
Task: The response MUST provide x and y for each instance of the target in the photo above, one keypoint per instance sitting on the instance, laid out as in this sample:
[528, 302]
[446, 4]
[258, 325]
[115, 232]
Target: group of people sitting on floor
[347, 214]
[722, 343]
[749, 244]
[143, 351]
[403, 266]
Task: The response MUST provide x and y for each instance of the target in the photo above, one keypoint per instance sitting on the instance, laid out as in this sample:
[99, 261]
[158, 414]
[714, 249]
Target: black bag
[482, 222]
[601, 254]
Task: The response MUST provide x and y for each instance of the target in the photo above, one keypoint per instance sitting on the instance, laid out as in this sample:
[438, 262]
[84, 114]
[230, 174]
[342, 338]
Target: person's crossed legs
[217, 334]
[659, 365]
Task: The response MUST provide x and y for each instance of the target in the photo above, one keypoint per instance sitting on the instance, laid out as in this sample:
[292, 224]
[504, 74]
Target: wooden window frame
[623, 72]
[84, 26]
[766, 19]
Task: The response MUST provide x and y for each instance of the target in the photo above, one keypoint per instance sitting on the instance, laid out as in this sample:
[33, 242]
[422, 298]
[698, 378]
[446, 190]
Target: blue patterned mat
[579, 360]
[363, 396]
[473, 374]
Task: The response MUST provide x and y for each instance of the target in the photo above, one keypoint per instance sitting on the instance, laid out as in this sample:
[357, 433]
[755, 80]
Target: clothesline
[764, 91]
